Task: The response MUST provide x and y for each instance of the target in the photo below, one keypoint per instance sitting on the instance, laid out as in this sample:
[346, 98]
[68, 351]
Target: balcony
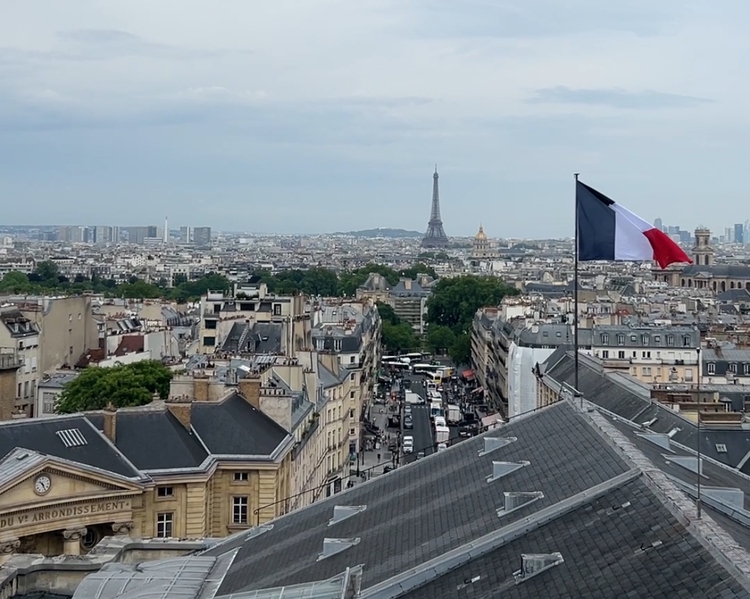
[9, 359]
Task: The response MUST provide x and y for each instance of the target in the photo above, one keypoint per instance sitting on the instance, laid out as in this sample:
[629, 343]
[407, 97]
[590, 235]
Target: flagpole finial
[575, 175]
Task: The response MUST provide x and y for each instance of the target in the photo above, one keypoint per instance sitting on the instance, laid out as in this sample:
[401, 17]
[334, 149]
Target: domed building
[482, 248]
[703, 273]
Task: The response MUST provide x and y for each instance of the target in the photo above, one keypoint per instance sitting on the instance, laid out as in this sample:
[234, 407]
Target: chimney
[110, 422]
[201, 387]
[180, 408]
[249, 388]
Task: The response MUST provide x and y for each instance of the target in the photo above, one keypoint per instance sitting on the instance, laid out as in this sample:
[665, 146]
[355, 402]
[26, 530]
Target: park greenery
[46, 278]
[120, 386]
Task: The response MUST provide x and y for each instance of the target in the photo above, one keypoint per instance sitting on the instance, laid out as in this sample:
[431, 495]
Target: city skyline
[328, 116]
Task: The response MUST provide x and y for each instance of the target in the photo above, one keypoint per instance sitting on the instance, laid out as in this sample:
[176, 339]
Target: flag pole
[575, 287]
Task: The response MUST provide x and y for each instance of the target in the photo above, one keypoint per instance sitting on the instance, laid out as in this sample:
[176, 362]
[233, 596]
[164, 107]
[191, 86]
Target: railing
[9, 361]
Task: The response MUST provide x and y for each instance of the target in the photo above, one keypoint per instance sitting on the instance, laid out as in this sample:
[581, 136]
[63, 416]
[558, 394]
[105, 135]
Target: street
[422, 432]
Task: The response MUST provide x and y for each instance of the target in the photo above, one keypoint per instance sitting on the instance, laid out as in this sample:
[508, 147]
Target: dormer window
[633, 339]
[620, 339]
[733, 367]
[657, 339]
[711, 368]
[644, 340]
[686, 341]
[605, 339]
[670, 340]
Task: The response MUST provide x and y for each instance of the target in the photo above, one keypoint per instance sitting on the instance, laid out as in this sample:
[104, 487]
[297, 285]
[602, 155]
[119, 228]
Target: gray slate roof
[234, 427]
[423, 510]
[156, 440]
[41, 435]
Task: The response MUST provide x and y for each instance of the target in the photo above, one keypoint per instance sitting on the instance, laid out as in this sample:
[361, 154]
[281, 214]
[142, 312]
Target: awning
[468, 374]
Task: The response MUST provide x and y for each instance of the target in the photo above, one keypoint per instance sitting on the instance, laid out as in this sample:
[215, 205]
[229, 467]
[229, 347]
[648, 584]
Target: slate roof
[41, 435]
[156, 440]
[234, 427]
[420, 511]
[601, 544]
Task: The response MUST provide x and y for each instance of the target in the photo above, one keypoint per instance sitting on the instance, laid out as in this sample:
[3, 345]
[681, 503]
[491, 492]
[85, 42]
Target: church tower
[703, 253]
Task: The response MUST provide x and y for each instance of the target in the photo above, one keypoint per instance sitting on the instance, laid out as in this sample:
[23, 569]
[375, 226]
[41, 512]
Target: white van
[408, 444]
[440, 421]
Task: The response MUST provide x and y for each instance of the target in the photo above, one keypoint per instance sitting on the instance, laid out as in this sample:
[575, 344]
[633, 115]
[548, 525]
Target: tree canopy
[398, 337]
[451, 309]
[127, 385]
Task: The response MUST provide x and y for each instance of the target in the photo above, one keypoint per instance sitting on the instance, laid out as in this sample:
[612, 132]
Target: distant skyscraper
[202, 235]
[739, 233]
[658, 224]
[186, 235]
[728, 234]
[435, 236]
[166, 229]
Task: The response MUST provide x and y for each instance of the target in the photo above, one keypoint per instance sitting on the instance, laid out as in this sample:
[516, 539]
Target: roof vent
[673, 432]
[493, 443]
[72, 437]
[686, 461]
[518, 499]
[728, 495]
[500, 469]
[334, 546]
[649, 422]
[342, 512]
[536, 563]
[660, 439]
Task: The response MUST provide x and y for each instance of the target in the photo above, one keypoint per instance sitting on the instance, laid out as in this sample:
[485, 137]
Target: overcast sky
[297, 116]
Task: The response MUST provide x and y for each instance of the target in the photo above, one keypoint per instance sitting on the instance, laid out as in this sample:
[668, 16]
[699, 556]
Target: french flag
[607, 231]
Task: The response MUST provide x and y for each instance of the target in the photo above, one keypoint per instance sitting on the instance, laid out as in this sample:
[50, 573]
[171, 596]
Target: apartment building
[21, 337]
[651, 353]
[247, 304]
[409, 301]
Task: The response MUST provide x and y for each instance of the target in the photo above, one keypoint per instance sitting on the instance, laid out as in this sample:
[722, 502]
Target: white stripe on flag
[630, 242]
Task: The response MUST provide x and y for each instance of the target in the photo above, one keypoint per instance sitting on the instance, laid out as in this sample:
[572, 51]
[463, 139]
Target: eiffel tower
[435, 236]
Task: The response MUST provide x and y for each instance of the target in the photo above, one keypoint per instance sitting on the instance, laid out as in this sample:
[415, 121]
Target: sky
[313, 116]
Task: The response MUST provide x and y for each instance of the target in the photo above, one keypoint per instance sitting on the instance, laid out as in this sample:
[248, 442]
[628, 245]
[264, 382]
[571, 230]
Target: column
[72, 543]
[7, 548]
[123, 528]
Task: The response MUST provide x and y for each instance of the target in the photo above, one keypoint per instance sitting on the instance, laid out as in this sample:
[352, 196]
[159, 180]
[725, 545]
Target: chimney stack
[110, 422]
[181, 408]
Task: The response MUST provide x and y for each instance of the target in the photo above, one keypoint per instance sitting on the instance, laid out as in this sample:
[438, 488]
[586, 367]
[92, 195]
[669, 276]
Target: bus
[395, 364]
[424, 368]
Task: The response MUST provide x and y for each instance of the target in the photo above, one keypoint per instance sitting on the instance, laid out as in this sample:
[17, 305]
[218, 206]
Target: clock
[42, 484]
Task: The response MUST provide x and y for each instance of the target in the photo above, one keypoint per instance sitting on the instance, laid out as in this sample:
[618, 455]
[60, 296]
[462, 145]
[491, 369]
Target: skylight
[493, 443]
[517, 500]
[342, 512]
[721, 448]
[536, 563]
[334, 546]
[72, 437]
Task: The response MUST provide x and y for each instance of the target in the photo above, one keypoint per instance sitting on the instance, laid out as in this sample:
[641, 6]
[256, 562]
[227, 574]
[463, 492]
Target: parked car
[442, 446]
[420, 455]
[408, 444]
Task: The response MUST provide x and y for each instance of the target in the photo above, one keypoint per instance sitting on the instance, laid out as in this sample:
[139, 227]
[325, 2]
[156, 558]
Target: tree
[440, 339]
[48, 272]
[125, 385]
[460, 351]
[15, 282]
[399, 338]
[454, 301]
[387, 314]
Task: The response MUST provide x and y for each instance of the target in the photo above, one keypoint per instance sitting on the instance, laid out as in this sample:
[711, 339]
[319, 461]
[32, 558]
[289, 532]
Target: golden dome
[480, 236]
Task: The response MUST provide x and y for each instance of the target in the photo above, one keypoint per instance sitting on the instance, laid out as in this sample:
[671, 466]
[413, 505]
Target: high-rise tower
[435, 236]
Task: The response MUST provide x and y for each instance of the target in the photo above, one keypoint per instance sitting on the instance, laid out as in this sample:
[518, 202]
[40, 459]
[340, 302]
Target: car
[420, 455]
[442, 446]
[408, 444]
[407, 409]
[408, 423]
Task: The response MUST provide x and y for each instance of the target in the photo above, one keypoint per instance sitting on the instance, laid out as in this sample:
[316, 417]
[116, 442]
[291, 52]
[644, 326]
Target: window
[621, 355]
[164, 491]
[733, 367]
[686, 341]
[605, 339]
[646, 371]
[688, 375]
[657, 339]
[644, 340]
[351, 413]
[605, 354]
[164, 523]
[351, 393]
[239, 510]
[670, 340]
[633, 338]
[352, 432]
[721, 448]
[620, 339]
[240, 477]
[337, 345]
[711, 368]
[277, 309]
[79, 316]
[746, 369]
[646, 354]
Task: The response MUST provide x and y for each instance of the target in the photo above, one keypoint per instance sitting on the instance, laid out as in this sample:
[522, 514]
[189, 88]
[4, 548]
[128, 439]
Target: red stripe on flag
[666, 251]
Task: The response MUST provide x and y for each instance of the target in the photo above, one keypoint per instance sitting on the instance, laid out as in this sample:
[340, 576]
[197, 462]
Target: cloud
[614, 98]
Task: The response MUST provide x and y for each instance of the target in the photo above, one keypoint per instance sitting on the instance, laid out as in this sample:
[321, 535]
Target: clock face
[42, 484]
